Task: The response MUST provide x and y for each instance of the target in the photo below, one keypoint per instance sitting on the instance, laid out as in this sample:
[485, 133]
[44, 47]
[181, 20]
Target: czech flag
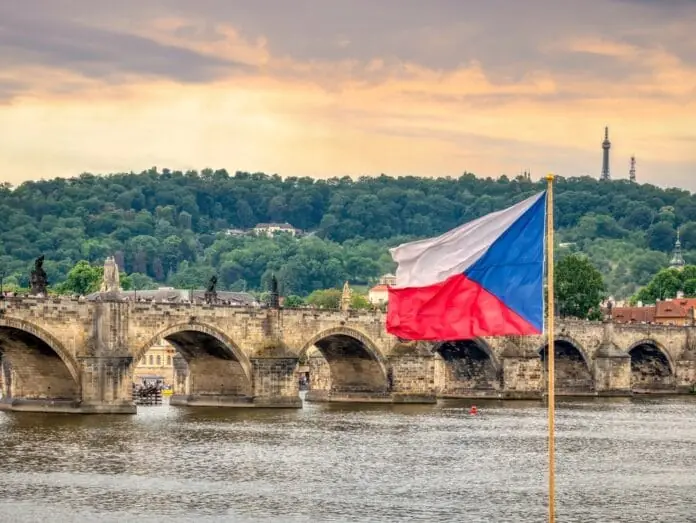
[484, 278]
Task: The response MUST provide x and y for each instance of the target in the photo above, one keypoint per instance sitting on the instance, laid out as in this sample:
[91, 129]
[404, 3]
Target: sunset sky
[348, 87]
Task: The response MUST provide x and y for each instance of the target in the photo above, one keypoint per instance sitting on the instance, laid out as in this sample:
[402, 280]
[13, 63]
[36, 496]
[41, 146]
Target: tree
[358, 301]
[141, 282]
[667, 283]
[82, 279]
[687, 233]
[690, 287]
[579, 288]
[325, 298]
[293, 301]
[661, 236]
[154, 221]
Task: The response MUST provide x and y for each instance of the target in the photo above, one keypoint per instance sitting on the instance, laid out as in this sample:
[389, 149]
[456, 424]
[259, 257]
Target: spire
[632, 171]
[677, 261]
[345, 297]
[606, 145]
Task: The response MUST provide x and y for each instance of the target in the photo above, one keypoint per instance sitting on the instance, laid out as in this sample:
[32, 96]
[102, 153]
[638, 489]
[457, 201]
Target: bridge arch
[216, 365]
[352, 364]
[36, 365]
[652, 367]
[468, 367]
[572, 365]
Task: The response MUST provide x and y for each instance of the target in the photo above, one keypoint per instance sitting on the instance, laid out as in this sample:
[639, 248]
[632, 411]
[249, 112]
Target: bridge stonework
[76, 356]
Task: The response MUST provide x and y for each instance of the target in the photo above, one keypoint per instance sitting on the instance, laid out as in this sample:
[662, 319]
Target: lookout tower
[606, 145]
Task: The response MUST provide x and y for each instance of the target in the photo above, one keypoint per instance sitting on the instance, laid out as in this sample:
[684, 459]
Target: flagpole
[551, 356]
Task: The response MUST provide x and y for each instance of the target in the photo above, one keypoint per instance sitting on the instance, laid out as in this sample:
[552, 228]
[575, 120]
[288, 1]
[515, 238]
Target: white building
[379, 294]
[269, 229]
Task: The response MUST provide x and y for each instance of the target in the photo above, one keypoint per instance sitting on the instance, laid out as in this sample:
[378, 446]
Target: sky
[348, 87]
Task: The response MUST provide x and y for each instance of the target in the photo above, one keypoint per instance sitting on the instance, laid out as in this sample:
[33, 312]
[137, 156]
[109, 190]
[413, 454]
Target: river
[617, 461]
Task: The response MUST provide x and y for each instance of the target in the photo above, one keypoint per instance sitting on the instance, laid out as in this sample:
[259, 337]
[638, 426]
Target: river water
[617, 461]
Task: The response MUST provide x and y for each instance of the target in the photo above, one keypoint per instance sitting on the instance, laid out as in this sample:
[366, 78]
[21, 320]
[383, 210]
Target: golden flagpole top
[549, 177]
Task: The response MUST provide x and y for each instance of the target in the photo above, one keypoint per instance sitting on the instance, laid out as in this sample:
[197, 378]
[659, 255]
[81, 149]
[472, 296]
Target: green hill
[169, 227]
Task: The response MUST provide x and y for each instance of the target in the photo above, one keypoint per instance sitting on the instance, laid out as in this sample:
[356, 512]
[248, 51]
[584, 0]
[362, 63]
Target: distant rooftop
[172, 295]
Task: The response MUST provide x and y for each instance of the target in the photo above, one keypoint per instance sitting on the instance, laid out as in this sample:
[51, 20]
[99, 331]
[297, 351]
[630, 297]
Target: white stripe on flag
[429, 261]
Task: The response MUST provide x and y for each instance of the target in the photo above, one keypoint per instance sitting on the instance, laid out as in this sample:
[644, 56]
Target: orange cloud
[351, 116]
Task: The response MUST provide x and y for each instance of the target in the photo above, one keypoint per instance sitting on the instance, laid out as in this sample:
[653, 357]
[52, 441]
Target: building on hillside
[269, 229]
[235, 232]
[157, 364]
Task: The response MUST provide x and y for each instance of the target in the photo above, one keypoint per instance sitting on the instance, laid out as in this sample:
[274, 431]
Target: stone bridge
[72, 355]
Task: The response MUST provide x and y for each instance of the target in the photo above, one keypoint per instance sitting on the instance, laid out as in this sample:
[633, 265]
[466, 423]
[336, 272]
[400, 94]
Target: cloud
[95, 52]
[324, 88]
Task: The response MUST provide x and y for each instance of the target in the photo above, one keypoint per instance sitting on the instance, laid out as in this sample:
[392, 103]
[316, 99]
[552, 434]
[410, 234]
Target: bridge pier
[273, 385]
[408, 378]
[612, 372]
[104, 388]
[686, 373]
[106, 385]
[686, 364]
[412, 376]
[523, 374]
[612, 366]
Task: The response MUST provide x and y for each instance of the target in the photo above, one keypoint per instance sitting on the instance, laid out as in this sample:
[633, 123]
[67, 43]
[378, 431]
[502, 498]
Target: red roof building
[665, 312]
[633, 314]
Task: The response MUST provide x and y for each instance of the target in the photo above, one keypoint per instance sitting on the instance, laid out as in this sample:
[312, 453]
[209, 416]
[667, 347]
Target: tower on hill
[677, 261]
[606, 145]
[632, 170]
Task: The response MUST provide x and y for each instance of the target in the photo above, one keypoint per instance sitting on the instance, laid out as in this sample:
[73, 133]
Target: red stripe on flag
[455, 309]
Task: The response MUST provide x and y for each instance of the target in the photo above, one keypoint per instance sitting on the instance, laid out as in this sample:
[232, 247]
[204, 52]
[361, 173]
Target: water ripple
[617, 461]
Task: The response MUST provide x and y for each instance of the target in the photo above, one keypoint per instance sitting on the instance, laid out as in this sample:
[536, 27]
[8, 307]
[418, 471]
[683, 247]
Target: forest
[170, 228]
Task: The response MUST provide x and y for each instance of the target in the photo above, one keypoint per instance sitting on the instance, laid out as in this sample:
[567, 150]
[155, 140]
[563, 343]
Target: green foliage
[358, 301]
[667, 283]
[579, 288]
[140, 282]
[167, 227]
[83, 279]
[325, 298]
[293, 301]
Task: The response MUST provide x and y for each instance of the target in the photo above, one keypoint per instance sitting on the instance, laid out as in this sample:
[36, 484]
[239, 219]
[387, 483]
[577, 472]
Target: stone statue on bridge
[274, 296]
[608, 316]
[346, 297]
[210, 292]
[38, 279]
[111, 281]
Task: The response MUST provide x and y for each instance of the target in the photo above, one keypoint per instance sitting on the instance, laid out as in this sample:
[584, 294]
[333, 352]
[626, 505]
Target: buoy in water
[473, 410]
